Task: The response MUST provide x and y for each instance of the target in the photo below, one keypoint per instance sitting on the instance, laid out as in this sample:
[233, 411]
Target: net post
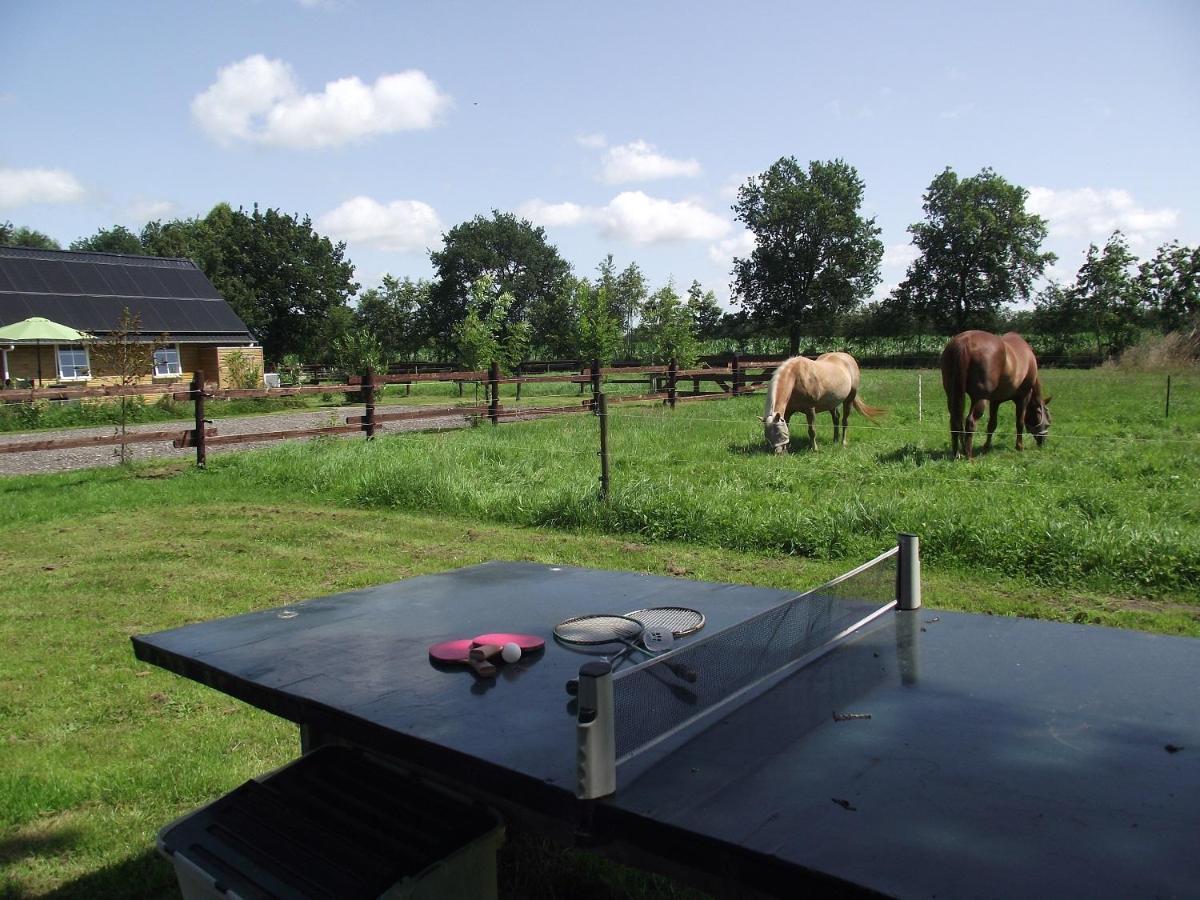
[908, 573]
[595, 735]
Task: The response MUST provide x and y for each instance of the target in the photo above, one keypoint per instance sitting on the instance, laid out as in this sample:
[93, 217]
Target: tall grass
[1112, 501]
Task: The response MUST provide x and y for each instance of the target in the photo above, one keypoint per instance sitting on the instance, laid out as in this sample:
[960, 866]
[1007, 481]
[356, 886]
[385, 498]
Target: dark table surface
[1001, 756]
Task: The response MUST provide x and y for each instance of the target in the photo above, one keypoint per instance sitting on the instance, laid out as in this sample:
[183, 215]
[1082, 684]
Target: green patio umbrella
[34, 330]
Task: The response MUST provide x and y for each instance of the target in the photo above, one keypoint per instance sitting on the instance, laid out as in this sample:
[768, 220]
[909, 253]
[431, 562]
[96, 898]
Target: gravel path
[106, 455]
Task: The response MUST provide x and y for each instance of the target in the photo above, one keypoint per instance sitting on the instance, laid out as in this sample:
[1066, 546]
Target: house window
[166, 361]
[73, 362]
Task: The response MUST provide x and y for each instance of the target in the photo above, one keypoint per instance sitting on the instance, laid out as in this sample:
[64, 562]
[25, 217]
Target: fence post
[908, 573]
[735, 366]
[672, 374]
[920, 409]
[602, 412]
[1167, 414]
[369, 402]
[595, 386]
[494, 392]
[518, 374]
[198, 400]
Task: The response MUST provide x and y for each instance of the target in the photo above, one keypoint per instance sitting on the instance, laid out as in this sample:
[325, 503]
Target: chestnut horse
[820, 385]
[991, 370]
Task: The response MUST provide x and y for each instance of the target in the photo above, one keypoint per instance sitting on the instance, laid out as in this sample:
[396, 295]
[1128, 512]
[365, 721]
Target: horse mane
[770, 408]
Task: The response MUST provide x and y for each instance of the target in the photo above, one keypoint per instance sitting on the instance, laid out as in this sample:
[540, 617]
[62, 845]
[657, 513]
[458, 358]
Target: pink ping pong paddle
[477, 653]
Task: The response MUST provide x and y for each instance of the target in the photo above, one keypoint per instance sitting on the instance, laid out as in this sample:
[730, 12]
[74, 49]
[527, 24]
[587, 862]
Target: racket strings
[601, 629]
[679, 620]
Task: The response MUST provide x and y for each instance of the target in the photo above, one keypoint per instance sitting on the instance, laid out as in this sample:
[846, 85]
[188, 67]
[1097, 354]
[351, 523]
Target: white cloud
[900, 255]
[402, 225]
[1095, 213]
[639, 161]
[634, 216]
[141, 210]
[552, 214]
[593, 141]
[742, 245]
[21, 186]
[258, 100]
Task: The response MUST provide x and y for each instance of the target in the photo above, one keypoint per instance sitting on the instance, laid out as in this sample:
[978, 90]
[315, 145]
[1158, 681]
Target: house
[190, 324]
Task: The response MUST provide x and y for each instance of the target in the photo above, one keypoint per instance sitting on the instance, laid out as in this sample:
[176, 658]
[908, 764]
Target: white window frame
[86, 367]
[178, 362]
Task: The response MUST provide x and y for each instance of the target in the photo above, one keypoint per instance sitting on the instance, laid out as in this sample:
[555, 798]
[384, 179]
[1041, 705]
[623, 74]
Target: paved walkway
[107, 455]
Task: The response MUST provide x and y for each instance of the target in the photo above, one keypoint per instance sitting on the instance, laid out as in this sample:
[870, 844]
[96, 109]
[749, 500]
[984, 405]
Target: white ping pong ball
[510, 652]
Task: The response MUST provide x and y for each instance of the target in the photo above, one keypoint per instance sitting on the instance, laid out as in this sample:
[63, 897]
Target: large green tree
[393, 312]
[705, 310]
[512, 252]
[117, 239]
[979, 248]
[1107, 297]
[669, 327]
[815, 255]
[283, 279]
[1171, 284]
[598, 330]
[22, 236]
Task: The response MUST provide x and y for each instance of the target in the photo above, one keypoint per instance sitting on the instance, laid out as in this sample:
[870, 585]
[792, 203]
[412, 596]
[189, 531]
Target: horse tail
[871, 412]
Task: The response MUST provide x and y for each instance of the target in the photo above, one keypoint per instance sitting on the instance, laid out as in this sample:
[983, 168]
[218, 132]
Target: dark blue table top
[1001, 756]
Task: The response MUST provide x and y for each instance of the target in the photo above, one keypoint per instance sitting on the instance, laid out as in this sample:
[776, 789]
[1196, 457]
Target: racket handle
[573, 687]
[485, 651]
[482, 667]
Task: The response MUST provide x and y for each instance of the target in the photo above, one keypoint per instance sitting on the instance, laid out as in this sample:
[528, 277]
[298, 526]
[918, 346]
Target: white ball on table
[510, 652]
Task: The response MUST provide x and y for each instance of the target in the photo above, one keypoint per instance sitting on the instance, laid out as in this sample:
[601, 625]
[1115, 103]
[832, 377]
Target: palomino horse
[990, 370]
[812, 386]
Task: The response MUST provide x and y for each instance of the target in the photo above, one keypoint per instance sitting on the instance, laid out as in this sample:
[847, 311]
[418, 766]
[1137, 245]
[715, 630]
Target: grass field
[98, 751]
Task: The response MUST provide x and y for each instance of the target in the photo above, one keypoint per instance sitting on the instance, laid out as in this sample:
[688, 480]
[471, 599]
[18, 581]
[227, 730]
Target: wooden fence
[738, 377]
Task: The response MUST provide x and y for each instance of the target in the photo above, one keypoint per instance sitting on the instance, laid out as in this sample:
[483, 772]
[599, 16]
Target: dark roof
[89, 291]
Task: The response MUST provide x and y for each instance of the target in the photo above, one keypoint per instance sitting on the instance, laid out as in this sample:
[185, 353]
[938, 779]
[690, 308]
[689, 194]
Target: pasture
[99, 751]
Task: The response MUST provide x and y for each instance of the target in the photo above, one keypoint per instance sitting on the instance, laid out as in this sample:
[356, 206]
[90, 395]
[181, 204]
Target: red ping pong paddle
[477, 653]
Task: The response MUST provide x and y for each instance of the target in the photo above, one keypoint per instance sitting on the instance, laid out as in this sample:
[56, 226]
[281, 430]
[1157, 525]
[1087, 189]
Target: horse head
[1037, 417]
[775, 429]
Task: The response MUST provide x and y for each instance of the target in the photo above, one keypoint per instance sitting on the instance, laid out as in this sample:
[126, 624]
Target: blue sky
[622, 127]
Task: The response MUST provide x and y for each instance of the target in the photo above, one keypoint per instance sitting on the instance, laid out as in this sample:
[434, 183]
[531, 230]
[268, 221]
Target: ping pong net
[670, 695]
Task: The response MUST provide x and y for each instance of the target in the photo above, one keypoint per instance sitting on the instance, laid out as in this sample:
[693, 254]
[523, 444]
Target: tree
[283, 279]
[706, 311]
[512, 252]
[554, 323]
[599, 331]
[815, 255]
[669, 326]
[392, 312]
[124, 354]
[487, 334]
[1171, 284]
[979, 248]
[1107, 297]
[117, 239]
[23, 236]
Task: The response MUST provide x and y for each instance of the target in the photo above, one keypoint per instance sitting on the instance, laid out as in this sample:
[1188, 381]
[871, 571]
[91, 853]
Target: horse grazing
[812, 385]
[990, 370]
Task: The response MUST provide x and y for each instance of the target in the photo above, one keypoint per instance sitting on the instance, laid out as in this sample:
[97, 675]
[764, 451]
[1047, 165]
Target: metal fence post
[518, 374]
[908, 573]
[369, 402]
[920, 409]
[602, 412]
[595, 386]
[1167, 413]
[494, 389]
[198, 401]
[672, 374]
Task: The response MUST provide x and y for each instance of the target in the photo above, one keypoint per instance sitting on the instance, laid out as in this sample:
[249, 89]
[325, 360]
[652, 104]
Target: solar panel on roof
[120, 282]
[6, 283]
[199, 283]
[149, 282]
[57, 276]
[90, 281]
[25, 276]
[175, 283]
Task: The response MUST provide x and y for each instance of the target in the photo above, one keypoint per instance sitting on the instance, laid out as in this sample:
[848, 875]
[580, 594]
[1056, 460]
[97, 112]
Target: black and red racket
[478, 652]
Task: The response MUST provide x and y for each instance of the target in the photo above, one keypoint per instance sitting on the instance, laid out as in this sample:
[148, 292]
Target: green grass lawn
[98, 751]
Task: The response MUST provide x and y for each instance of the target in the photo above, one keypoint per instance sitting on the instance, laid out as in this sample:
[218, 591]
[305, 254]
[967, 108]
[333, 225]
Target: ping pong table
[909, 753]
